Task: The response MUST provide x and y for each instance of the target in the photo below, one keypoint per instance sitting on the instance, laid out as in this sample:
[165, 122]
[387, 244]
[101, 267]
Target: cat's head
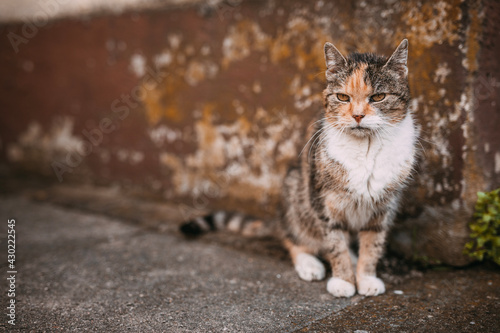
[366, 93]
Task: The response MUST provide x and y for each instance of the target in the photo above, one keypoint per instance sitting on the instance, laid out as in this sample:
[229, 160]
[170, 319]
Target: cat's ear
[334, 60]
[398, 60]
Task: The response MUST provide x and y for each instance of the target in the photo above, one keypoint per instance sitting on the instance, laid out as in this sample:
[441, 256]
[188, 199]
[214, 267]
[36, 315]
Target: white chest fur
[373, 164]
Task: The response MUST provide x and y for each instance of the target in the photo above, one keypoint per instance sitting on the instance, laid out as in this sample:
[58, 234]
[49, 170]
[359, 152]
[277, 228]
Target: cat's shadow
[261, 246]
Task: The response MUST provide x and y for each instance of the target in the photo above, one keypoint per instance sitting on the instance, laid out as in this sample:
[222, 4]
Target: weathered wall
[208, 104]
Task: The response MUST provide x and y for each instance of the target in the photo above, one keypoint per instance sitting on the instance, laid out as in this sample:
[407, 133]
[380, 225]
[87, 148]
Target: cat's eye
[343, 97]
[377, 97]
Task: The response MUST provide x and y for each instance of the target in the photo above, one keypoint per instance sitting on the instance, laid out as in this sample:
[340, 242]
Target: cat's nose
[358, 117]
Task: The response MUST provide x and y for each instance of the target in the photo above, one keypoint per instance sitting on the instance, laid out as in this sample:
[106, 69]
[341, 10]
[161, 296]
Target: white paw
[309, 267]
[370, 286]
[340, 288]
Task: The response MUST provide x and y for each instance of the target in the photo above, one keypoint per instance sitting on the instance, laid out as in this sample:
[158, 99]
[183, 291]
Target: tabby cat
[350, 175]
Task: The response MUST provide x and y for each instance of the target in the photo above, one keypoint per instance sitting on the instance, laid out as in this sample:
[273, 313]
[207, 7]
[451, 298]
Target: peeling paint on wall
[433, 22]
[238, 158]
[241, 39]
[473, 179]
[138, 65]
[162, 135]
[199, 71]
[36, 148]
[58, 138]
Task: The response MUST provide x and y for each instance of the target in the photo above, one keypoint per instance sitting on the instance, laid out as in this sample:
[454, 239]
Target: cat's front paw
[370, 286]
[340, 288]
[309, 267]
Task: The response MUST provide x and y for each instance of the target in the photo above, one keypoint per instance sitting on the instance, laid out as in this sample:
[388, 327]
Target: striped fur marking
[220, 220]
[198, 226]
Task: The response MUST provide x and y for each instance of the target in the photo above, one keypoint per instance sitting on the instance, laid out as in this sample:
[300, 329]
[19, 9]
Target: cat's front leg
[342, 282]
[371, 248]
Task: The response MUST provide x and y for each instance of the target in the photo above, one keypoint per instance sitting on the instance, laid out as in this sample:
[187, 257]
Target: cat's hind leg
[308, 266]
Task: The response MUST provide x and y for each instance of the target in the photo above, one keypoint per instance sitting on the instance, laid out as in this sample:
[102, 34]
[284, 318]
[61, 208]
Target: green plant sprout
[485, 229]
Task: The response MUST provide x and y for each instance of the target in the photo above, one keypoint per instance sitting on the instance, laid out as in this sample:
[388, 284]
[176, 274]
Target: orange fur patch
[295, 250]
[356, 85]
[359, 91]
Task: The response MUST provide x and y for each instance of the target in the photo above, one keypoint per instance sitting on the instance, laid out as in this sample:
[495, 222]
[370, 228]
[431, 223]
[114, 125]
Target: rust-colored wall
[212, 102]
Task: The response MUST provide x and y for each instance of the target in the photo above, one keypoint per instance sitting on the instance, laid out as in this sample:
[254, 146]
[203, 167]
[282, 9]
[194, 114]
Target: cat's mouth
[360, 128]
[360, 131]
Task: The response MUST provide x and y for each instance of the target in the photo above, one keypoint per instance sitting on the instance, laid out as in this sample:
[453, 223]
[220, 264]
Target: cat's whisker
[317, 121]
[323, 135]
[418, 140]
[328, 133]
[312, 137]
[422, 148]
[322, 73]
[311, 147]
[421, 137]
[378, 135]
[323, 132]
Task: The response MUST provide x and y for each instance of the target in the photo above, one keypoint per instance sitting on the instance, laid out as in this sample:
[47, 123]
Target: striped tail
[233, 222]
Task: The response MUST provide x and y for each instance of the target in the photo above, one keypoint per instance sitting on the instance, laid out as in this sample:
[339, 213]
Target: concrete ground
[83, 266]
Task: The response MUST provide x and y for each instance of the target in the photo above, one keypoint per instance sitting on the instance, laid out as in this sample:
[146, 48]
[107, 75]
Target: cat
[349, 179]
